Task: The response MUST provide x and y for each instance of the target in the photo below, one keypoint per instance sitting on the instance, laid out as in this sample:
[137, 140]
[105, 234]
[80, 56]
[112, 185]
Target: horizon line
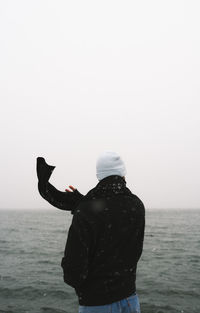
[49, 209]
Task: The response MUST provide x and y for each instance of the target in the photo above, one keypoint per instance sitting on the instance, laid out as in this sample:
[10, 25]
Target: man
[105, 239]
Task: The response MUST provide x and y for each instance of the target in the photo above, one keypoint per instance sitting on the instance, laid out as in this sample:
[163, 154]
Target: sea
[32, 245]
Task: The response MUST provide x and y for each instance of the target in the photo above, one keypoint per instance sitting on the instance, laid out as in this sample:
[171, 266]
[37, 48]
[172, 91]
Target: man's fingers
[70, 186]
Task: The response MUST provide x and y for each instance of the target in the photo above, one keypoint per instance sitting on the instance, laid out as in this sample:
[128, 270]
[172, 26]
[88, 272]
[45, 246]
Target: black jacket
[105, 239]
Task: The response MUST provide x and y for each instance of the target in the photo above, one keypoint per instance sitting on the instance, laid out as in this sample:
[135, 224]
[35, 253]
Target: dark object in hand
[44, 170]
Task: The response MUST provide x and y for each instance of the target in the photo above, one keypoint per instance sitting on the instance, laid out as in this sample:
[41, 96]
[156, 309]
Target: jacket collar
[109, 186]
[112, 179]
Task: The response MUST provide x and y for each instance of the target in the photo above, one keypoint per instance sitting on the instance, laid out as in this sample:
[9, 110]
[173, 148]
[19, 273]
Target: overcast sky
[81, 77]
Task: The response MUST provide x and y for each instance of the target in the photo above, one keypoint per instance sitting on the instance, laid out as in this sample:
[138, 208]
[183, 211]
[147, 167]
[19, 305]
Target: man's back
[115, 222]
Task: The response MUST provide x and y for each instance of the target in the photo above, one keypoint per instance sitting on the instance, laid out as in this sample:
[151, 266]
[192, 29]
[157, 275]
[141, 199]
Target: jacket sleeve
[140, 230]
[62, 200]
[140, 237]
[75, 262]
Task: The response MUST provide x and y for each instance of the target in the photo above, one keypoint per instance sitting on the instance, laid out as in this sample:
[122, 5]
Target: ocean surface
[32, 245]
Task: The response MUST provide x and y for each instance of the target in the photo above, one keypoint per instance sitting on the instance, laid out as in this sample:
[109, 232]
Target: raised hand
[71, 187]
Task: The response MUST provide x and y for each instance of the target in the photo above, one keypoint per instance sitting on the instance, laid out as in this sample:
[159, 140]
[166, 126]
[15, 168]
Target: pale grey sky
[81, 77]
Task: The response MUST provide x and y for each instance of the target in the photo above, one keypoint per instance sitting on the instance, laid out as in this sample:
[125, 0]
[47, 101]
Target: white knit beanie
[109, 163]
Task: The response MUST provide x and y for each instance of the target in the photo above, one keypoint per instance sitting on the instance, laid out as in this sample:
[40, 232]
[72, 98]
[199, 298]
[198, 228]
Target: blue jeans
[127, 305]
